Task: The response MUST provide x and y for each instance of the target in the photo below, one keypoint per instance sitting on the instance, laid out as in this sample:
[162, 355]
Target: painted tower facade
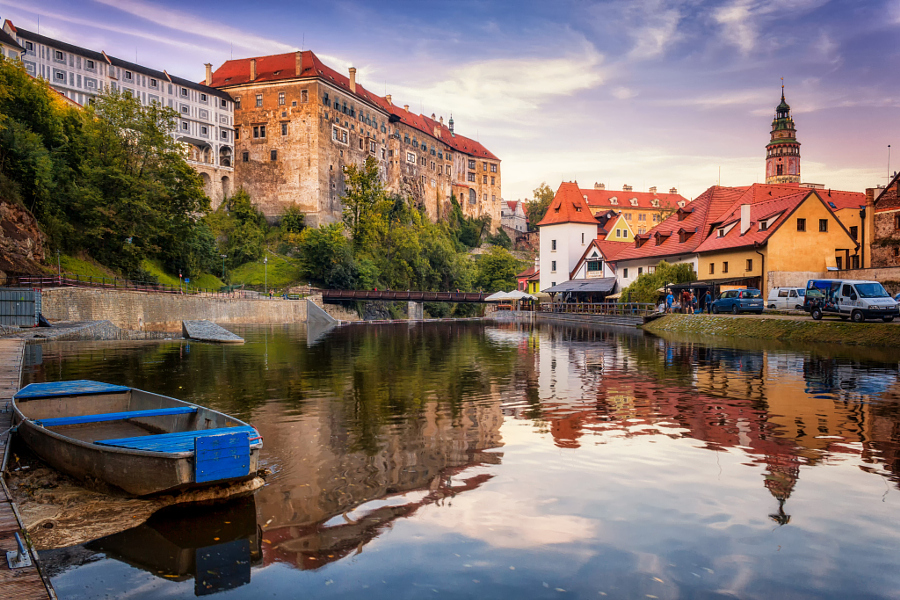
[783, 149]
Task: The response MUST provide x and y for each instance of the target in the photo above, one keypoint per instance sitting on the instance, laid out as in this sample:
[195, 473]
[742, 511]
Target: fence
[118, 283]
[617, 309]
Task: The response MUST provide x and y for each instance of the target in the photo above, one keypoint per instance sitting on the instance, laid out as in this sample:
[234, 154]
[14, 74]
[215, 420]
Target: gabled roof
[527, 272]
[568, 206]
[283, 67]
[9, 40]
[602, 199]
[889, 198]
[606, 250]
[778, 208]
[718, 206]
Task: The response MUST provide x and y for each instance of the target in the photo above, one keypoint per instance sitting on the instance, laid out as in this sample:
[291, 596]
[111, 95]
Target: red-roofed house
[642, 210]
[566, 230]
[300, 123]
[745, 233]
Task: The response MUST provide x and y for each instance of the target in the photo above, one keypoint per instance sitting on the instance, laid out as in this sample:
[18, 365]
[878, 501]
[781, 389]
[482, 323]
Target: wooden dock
[25, 583]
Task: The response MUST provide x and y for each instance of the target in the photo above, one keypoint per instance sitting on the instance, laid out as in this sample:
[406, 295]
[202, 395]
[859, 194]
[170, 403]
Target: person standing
[707, 301]
[670, 300]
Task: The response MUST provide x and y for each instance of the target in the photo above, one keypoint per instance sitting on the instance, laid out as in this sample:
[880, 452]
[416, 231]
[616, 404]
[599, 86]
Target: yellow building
[641, 210]
[795, 232]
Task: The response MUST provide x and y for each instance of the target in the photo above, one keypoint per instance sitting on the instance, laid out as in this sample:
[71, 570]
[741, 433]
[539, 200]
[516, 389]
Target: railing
[619, 309]
[407, 295]
[118, 283]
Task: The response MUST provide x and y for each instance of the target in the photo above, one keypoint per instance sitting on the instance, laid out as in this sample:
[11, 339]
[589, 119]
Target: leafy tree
[365, 201]
[500, 239]
[324, 250]
[496, 270]
[645, 287]
[537, 207]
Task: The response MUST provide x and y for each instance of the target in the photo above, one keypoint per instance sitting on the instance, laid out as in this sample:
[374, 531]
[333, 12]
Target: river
[473, 460]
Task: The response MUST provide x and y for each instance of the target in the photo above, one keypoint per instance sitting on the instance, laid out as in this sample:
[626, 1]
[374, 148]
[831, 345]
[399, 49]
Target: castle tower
[783, 150]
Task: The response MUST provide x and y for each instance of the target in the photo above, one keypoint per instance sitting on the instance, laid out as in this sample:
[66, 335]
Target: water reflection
[627, 460]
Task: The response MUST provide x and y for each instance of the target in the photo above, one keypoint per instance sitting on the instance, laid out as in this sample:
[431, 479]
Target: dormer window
[613, 200]
[721, 232]
[655, 203]
[633, 201]
[763, 225]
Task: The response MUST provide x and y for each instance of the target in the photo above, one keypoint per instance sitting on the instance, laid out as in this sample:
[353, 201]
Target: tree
[496, 270]
[325, 253]
[645, 287]
[537, 207]
[364, 202]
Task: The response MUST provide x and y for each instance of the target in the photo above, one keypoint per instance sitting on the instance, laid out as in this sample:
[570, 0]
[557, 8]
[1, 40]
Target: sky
[666, 93]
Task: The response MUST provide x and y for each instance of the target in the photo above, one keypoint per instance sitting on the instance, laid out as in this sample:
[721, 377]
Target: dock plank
[25, 583]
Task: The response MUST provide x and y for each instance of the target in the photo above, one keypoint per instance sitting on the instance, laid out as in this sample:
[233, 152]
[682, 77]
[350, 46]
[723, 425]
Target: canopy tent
[519, 295]
[497, 297]
[583, 290]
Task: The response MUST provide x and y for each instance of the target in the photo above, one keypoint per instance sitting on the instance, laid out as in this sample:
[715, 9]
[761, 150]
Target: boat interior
[125, 417]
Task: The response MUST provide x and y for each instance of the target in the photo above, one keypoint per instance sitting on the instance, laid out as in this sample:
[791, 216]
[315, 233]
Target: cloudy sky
[640, 92]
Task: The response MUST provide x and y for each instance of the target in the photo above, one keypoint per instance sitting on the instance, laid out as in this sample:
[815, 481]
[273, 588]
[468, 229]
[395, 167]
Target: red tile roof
[781, 207]
[279, 67]
[717, 206]
[608, 250]
[527, 272]
[602, 199]
[568, 206]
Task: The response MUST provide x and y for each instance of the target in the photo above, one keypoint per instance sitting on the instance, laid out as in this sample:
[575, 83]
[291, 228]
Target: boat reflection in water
[213, 545]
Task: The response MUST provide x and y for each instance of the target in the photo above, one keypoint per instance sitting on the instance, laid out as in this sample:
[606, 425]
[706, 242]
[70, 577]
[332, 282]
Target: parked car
[736, 301]
[897, 298]
[786, 298]
[857, 300]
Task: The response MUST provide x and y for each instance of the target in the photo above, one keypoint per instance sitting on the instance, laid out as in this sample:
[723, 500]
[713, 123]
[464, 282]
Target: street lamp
[266, 268]
[224, 256]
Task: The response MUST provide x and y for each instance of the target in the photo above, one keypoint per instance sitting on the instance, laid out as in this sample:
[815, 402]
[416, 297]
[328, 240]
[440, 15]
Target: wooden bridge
[392, 296]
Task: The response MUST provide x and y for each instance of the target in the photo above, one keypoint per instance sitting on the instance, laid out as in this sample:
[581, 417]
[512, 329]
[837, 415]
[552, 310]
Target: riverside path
[22, 583]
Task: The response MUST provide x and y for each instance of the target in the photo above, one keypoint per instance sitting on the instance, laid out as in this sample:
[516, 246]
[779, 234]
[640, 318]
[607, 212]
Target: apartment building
[205, 114]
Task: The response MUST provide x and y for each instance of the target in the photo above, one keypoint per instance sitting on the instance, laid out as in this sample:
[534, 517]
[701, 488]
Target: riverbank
[785, 329]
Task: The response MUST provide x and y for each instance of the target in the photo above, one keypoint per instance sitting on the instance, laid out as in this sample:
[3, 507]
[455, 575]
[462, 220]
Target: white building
[566, 231]
[206, 115]
[512, 215]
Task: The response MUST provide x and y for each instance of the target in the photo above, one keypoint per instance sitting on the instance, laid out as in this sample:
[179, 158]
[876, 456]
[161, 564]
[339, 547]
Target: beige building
[299, 124]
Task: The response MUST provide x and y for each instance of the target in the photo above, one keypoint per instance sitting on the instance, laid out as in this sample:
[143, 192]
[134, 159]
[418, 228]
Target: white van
[856, 299]
[786, 298]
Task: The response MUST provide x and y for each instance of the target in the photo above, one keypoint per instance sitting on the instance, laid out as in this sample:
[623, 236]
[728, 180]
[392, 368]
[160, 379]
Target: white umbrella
[497, 296]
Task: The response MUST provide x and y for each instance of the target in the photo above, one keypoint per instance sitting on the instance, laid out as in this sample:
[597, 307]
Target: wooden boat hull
[136, 472]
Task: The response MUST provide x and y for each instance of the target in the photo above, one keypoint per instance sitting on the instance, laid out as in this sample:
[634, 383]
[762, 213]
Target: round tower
[783, 149]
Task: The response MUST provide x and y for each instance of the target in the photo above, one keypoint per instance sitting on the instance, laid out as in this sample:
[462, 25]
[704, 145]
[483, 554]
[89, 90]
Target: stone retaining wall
[164, 312]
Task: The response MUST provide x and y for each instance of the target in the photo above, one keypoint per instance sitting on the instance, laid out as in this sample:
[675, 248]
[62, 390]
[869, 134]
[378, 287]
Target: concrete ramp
[207, 331]
[316, 314]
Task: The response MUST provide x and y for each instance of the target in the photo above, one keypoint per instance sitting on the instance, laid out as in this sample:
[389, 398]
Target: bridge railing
[619, 309]
[401, 295]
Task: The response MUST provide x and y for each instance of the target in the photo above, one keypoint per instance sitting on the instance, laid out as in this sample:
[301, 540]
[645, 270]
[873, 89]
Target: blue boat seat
[119, 416]
[180, 441]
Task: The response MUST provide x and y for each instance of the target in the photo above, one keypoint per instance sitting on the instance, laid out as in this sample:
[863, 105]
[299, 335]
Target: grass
[204, 281]
[83, 267]
[282, 273]
[804, 331]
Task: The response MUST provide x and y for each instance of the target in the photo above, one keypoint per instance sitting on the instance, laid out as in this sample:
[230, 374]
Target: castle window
[184, 92]
[471, 177]
[258, 100]
[284, 127]
[259, 131]
[246, 157]
[493, 168]
[472, 164]
[484, 166]
[280, 98]
[237, 103]
[325, 99]
[304, 96]
[484, 179]
[493, 181]
[410, 158]
[273, 155]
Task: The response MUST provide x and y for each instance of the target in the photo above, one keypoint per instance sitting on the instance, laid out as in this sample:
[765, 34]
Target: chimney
[298, 63]
[745, 218]
[442, 119]
[353, 79]
[432, 116]
[599, 186]
[673, 190]
[653, 190]
[252, 69]
[406, 107]
[388, 99]
[208, 74]
[626, 188]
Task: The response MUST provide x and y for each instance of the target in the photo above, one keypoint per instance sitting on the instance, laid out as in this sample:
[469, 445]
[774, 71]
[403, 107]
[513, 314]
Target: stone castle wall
[164, 312]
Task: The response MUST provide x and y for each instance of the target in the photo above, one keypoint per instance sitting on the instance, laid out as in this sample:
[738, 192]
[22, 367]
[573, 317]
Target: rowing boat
[140, 442]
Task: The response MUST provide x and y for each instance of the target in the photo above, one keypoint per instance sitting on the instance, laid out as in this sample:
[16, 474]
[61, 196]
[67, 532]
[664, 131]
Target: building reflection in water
[785, 410]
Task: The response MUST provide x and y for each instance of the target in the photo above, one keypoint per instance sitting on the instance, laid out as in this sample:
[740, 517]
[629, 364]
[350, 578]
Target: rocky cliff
[21, 242]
